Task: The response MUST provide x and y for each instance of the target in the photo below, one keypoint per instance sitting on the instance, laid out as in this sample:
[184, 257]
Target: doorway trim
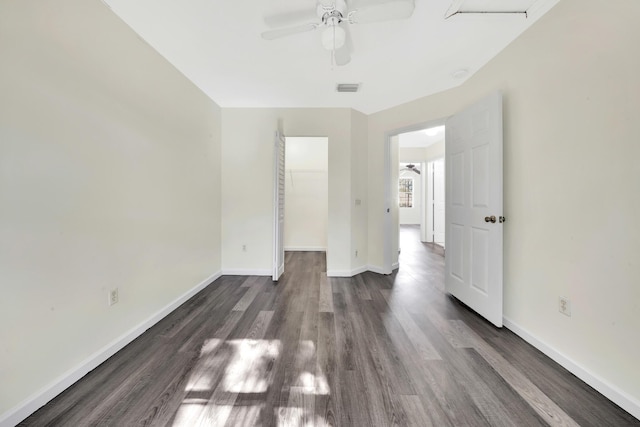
[430, 196]
[389, 205]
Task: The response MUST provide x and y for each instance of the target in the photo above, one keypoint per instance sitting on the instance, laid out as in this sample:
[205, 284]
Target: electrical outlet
[564, 306]
[113, 296]
[244, 248]
[356, 254]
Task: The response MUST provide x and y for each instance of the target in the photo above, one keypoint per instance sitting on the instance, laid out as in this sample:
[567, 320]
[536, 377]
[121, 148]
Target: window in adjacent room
[405, 192]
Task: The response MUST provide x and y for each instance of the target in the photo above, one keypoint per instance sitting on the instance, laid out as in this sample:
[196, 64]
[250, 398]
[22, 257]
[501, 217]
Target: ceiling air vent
[348, 87]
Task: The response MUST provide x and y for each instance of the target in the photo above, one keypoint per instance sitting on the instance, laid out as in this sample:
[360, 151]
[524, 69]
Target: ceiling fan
[411, 168]
[333, 18]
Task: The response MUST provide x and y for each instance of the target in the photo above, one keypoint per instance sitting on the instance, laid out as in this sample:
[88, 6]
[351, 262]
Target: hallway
[422, 261]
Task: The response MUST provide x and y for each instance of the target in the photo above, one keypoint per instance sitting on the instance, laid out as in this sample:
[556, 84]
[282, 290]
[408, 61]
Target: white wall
[571, 97]
[306, 194]
[109, 177]
[414, 155]
[247, 206]
[434, 151]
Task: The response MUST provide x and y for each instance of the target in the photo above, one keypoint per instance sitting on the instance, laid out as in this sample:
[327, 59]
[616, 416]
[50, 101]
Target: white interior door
[438, 202]
[473, 155]
[278, 205]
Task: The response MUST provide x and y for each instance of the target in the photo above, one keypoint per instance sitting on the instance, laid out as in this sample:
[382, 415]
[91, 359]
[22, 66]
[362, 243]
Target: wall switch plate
[564, 306]
[113, 296]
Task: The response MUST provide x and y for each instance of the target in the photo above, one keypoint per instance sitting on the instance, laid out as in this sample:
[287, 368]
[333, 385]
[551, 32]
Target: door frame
[278, 206]
[430, 199]
[389, 206]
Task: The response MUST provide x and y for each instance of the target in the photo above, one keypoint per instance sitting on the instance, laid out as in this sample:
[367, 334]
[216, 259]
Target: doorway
[306, 194]
[410, 152]
[473, 217]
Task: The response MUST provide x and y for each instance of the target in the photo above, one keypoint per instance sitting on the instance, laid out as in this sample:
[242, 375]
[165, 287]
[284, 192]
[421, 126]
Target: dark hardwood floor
[370, 350]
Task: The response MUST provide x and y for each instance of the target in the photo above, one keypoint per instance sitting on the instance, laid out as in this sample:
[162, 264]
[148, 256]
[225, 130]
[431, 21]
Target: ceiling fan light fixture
[333, 37]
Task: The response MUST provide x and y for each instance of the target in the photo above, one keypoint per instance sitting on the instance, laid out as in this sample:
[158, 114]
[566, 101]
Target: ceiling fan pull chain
[334, 35]
[333, 51]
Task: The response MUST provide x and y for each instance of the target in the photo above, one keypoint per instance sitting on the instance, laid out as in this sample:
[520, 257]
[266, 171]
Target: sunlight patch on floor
[209, 360]
[246, 370]
[231, 368]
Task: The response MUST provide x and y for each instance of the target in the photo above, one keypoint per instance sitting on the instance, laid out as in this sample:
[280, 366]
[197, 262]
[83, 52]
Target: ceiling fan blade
[410, 167]
[342, 56]
[290, 18]
[380, 11]
[284, 32]
[410, 170]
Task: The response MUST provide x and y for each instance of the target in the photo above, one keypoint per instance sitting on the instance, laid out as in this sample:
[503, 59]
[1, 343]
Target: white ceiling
[421, 138]
[217, 45]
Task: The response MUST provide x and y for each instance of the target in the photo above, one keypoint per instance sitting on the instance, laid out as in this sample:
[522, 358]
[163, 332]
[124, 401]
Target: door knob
[491, 219]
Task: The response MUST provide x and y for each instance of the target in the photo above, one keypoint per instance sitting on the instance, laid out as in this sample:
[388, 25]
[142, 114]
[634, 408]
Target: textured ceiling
[218, 45]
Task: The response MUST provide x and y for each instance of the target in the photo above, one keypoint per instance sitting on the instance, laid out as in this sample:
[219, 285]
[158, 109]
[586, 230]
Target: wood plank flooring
[370, 350]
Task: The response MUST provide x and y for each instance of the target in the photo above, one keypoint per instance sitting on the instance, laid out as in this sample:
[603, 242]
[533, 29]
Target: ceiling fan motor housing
[332, 18]
[336, 8]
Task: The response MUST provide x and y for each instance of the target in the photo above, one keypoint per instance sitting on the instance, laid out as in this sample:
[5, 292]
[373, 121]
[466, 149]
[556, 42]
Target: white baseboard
[376, 269]
[246, 272]
[40, 398]
[339, 273]
[359, 270]
[348, 273]
[611, 392]
[305, 249]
